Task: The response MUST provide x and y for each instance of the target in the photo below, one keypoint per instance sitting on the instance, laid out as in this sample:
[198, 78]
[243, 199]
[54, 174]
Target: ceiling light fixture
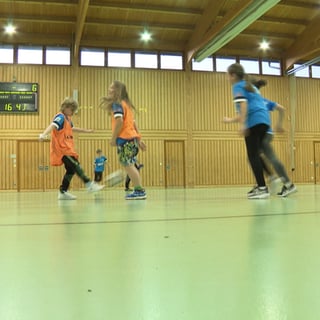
[145, 36]
[10, 29]
[264, 45]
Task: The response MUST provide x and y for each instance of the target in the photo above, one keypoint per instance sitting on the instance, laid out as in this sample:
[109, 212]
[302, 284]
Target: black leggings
[254, 145]
[72, 166]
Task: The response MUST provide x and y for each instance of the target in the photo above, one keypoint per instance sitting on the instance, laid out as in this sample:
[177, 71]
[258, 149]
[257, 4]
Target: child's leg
[134, 175]
[127, 182]
[72, 166]
[128, 158]
[253, 144]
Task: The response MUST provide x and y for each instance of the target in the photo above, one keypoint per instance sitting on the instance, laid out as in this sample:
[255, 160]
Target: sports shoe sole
[137, 198]
[288, 193]
[259, 196]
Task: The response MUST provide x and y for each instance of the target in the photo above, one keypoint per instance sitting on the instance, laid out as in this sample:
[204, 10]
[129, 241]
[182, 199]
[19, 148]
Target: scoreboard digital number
[18, 97]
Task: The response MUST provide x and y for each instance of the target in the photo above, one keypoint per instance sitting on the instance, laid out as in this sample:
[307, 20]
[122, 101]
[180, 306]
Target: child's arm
[231, 120]
[47, 131]
[142, 145]
[279, 124]
[75, 129]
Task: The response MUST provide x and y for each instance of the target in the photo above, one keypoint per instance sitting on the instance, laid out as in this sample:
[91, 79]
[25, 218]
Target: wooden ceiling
[291, 26]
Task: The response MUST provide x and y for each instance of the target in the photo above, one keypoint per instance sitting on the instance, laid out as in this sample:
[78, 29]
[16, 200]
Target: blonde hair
[120, 93]
[69, 103]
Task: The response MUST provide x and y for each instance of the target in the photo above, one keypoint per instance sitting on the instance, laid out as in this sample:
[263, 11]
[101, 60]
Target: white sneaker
[274, 185]
[259, 193]
[94, 187]
[66, 196]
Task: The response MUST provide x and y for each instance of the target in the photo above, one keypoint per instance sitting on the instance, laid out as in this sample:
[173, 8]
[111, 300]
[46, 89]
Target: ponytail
[238, 70]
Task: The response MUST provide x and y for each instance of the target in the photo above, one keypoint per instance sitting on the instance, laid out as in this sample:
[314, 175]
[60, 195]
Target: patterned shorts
[128, 152]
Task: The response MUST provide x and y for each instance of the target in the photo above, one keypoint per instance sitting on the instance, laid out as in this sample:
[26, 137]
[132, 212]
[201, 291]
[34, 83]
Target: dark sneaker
[252, 191]
[286, 191]
[137, 195]
[259, 193]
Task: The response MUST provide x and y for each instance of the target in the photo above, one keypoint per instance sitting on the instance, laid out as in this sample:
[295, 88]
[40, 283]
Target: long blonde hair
[120, 93]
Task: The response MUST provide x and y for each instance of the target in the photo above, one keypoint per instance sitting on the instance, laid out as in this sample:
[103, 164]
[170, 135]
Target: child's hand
[142, 146]
[227, 120]
[43, 137]
[279, 129]
[113, 143]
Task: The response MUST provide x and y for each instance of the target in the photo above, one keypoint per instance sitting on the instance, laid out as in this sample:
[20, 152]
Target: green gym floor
[182, 254]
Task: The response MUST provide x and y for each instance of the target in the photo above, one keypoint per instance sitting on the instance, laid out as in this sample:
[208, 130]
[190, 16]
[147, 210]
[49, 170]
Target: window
[146, 60]
[171, 61]
[6, 54]
[58, 56]
[271, 68]
[119, 58]
[30, 55]
[251, 66]
[222, 64]
[315, 71]
[303, 73]
[205, 65]
[92, 57]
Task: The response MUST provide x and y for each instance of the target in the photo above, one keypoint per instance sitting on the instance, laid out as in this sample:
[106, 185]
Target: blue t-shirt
[99, 164]
[257, 112]
[59, 121]
[270, 105]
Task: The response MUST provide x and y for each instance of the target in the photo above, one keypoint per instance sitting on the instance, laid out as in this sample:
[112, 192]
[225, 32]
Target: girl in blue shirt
[254, 120]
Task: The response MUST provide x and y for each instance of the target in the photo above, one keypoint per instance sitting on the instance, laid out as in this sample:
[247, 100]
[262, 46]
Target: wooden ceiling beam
[99, 42]
[41, 39]
[206, 21]
[138, 24]
[58, 2]
[81, 17]
[159, 45]
[145, 8]
[306, 44]
[277, 20]
[300, 4]
[40, 19]
[269, 35]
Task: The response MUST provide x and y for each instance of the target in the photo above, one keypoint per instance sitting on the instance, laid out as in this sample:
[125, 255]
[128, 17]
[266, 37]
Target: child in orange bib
[62, 150]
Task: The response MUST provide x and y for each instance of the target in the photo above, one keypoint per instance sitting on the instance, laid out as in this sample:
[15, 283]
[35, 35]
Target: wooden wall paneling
[304, 157]
[308, 111]
[8, 163]
[211, 100]
[221, 162]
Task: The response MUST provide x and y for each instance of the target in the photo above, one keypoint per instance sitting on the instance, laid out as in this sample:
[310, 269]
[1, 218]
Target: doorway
[174, 153]
[316, 152]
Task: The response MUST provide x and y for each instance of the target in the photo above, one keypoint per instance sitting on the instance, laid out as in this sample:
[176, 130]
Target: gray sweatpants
[271, 156]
